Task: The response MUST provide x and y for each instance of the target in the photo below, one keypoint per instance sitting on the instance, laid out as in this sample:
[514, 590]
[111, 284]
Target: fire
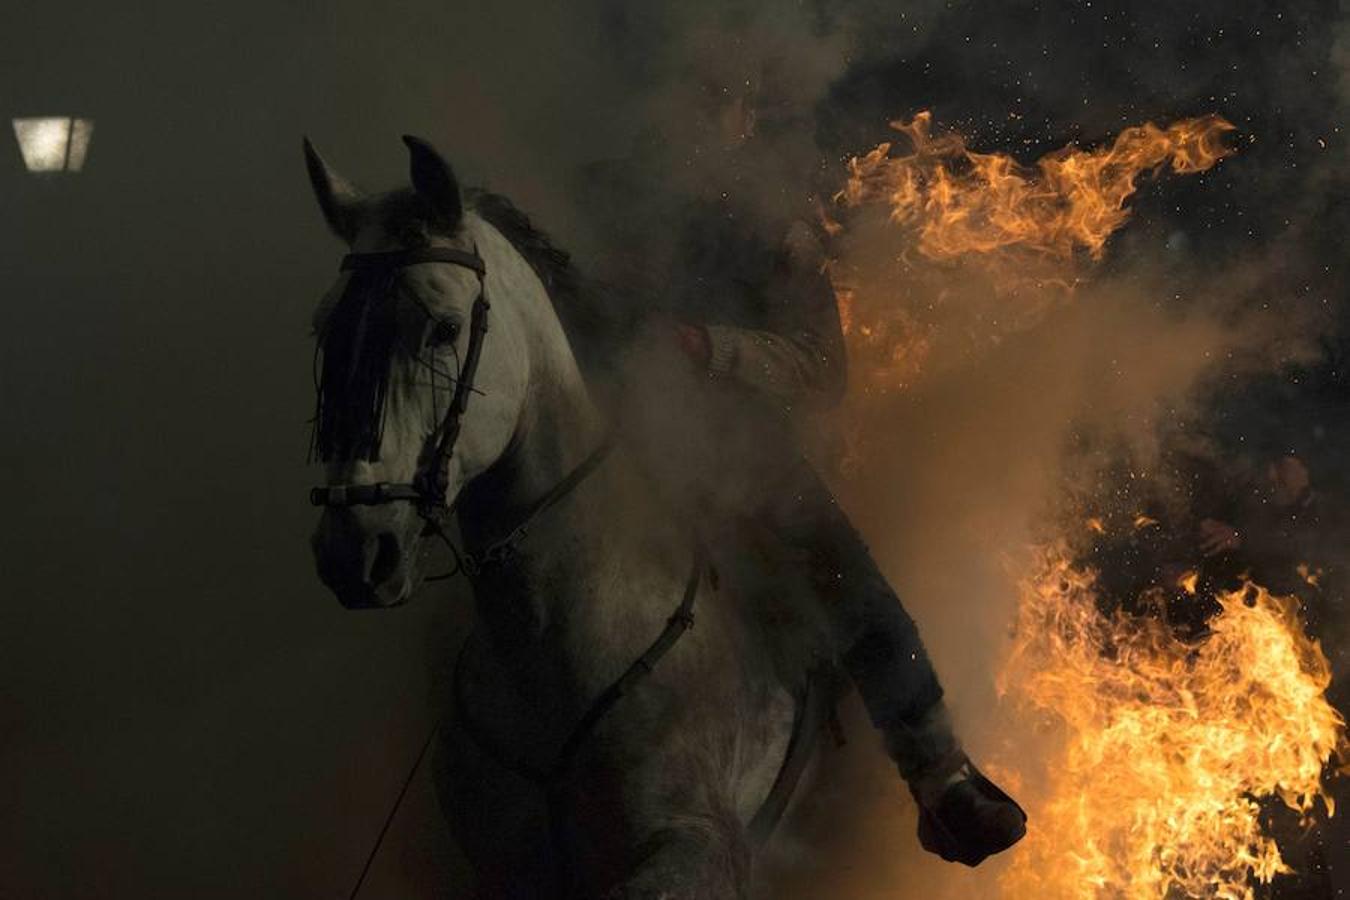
[977, 222]
[1312, 576]
[1189, 581]
[959, 201]
[1162, 746]
[1142, 757]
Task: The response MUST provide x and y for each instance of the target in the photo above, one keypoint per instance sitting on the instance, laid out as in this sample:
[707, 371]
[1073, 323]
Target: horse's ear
[338, 198]
[434, 180]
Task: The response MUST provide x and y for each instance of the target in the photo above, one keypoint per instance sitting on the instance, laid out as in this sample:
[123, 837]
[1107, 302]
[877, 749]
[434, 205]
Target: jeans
[878, 642]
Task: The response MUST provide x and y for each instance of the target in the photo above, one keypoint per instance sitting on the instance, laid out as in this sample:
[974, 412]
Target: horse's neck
[570, 573]
[558, 428]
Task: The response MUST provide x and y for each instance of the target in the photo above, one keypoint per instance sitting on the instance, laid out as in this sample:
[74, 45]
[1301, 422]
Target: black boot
[963, 816]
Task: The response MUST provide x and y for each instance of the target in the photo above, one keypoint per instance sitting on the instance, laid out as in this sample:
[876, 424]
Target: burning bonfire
[1164, 747]
[1157, 756]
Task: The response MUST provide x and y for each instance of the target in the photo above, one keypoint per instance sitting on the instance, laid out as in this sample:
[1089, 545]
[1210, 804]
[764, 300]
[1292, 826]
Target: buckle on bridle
[500, 551]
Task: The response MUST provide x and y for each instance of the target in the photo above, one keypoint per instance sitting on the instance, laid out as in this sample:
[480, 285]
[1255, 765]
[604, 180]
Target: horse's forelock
[356, 329]
[355, 345]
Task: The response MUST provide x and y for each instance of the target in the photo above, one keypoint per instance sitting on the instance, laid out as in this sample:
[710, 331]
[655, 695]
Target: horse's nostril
[386, 558]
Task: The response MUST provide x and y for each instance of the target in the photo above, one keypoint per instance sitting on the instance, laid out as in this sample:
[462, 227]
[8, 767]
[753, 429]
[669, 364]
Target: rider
[756, 315]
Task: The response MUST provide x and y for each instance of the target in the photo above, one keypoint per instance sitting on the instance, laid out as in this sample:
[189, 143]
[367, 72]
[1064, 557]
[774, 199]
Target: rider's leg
[965, 817]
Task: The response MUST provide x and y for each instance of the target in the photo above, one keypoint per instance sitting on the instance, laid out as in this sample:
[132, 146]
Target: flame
[1189, 581]
[844, 297]
[960, 201]
[1162, 745]
[1309, 574]
[1028, 233]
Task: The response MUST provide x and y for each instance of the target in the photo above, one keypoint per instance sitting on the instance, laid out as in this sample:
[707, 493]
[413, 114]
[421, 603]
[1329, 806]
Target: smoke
[961, 481]
[1217, 302]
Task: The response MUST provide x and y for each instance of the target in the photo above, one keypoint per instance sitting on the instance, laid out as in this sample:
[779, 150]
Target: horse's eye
[443, 334]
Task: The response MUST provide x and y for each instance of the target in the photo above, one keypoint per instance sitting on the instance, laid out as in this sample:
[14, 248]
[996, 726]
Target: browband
[394, 259]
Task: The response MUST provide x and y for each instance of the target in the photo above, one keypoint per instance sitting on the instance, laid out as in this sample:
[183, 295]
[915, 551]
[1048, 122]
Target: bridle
[428, 488]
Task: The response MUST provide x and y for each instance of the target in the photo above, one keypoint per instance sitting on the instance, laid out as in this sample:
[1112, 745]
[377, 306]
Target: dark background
[184, 711]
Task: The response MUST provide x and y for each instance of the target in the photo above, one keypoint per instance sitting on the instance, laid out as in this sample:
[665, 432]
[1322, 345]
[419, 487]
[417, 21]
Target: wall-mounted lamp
[54, 143]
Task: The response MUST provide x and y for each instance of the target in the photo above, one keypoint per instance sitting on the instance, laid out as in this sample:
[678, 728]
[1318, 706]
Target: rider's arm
[799, 356]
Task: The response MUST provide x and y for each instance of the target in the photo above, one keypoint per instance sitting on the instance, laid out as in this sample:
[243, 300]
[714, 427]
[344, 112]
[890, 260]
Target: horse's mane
[589, 311]
[550, 262]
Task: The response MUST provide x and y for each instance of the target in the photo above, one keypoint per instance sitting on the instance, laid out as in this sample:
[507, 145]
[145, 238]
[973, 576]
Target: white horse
[655, 797]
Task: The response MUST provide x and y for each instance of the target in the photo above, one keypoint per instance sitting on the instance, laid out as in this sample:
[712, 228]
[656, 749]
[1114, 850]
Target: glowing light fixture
[54, 143]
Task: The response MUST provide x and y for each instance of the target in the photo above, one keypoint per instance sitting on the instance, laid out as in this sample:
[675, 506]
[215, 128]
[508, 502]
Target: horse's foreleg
[662, 830]
[499, 820]
[690, 865]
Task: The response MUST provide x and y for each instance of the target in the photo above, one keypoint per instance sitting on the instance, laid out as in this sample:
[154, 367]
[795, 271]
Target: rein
[503, 549]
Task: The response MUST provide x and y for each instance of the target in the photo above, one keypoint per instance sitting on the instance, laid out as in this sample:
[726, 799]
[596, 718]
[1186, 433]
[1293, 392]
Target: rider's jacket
[756, 280]
[763, 293]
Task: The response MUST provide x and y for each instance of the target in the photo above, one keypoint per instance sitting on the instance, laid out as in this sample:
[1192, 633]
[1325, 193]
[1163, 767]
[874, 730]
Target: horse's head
[404, 416]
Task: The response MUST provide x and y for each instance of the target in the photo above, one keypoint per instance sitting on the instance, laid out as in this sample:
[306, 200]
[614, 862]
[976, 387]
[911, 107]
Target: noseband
[428, 487]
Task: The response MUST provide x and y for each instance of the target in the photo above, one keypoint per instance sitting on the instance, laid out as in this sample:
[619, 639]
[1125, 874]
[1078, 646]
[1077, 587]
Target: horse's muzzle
[362, 558]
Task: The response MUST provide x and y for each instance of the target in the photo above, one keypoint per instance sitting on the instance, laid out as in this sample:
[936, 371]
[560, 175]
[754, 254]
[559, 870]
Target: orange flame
[1312, 576]
[1162, 745]
[1026, 232]
[963, 202]
[1189, 581]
